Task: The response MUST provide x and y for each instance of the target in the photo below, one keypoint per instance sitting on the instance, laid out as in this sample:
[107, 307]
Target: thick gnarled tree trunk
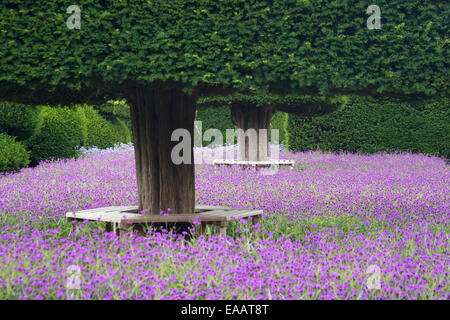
[253, 144]
[155, 113]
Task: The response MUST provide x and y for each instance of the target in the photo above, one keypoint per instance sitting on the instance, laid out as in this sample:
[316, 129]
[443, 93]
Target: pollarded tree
[255, 111]
[161, 55]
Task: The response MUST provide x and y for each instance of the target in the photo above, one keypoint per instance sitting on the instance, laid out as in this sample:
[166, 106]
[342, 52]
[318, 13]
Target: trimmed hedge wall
[59, 135]
[366, 126]
[13, 155]
[18, 120]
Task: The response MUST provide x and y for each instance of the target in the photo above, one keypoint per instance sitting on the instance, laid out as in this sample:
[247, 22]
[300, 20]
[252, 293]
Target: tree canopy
[304, 46]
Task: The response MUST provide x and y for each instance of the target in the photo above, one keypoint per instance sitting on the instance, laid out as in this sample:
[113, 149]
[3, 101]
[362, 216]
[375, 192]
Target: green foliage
[114, 109]
[98, 129]
[282, 226]
[13, 155]
[259, 100]
[120, 131]
[59, 135]
[127, 122]
[316, 46]
[18, 120]
[103, 133]
[215, 118]
[363, 125]
[279, 122]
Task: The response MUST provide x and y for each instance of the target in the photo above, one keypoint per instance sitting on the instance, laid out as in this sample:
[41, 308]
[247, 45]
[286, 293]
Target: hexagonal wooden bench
[119, 218]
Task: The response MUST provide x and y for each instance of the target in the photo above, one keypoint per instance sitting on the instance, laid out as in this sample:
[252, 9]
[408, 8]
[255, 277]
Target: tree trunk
[253, 144]
[155, 113]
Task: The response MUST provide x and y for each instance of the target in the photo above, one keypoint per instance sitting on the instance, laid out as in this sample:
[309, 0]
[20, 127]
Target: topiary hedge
[13, 155]
[280, 121]
[120, 132]
[363, 125]
[18, 120]
[59, 134]
[102, 133]
[114, 109]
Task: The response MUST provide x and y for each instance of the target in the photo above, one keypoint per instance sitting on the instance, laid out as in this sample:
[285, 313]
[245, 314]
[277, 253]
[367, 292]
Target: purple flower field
[331, 224]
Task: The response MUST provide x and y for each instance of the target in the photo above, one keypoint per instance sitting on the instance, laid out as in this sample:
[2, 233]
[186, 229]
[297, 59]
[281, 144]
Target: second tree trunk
[254, 122]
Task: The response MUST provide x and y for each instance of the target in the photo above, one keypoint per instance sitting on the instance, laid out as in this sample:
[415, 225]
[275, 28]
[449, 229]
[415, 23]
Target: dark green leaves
[249, 45]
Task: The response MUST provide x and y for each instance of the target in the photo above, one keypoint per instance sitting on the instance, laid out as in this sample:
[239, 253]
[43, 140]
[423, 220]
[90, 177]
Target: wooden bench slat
[173, 218]
[234, 214]
[216, 212]
[198, 209]
[204, 207]
[249, 213]
[114, 216]
[223, 213]
[255, 163]
[109, 209]
[131, 209]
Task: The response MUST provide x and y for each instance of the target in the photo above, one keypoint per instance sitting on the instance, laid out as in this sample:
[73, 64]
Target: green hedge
[13, 155]
[18, 120]
[363, 125]
[280, 121]
[98, 129]
[120, 131]
[59, 134]
[114, 109]
[215, 118]
[55, 132]
[103, 133]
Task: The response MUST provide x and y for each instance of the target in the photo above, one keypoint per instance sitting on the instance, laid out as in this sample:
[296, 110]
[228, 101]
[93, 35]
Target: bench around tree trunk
[120, 219]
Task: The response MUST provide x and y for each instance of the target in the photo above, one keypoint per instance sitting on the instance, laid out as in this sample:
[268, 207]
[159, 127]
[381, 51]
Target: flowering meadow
[333, 226]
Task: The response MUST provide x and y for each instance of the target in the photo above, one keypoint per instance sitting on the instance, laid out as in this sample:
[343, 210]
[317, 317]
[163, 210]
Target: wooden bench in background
[120, 219]
[266, 163]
